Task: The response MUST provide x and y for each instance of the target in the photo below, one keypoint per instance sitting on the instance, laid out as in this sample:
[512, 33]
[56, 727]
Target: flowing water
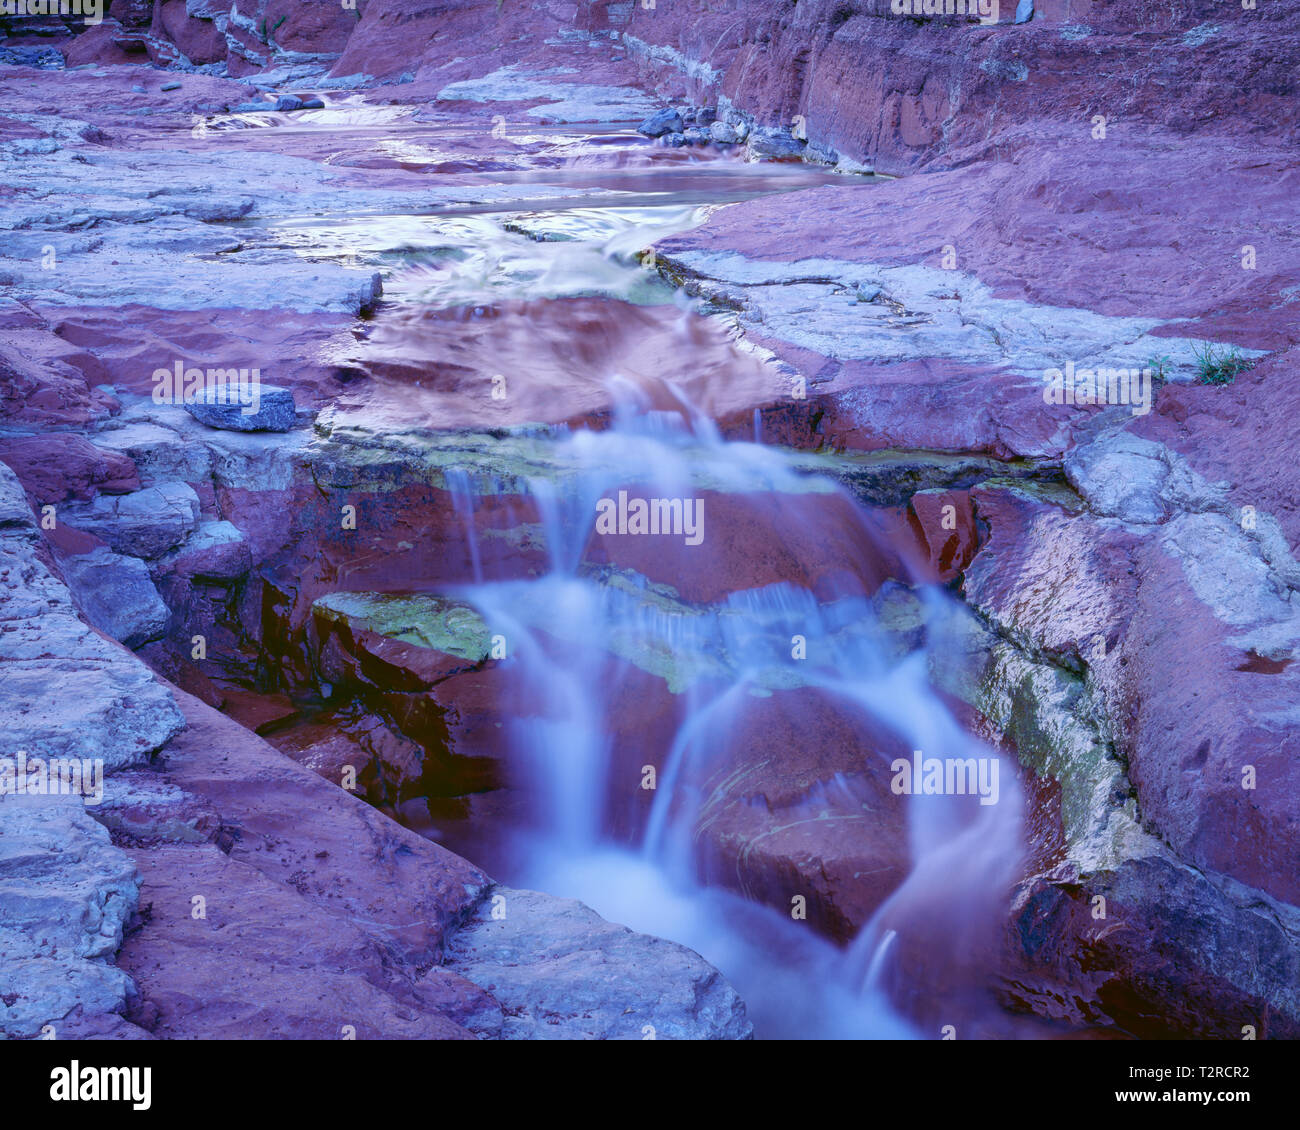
[782, 611]
[574, 635]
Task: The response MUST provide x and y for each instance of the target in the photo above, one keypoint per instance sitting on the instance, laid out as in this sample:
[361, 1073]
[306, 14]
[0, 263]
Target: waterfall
[587, 629]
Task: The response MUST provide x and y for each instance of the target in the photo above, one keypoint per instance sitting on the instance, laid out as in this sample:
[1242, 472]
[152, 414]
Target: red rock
[257, 712]
[62, 465]
[197, 39]
[945, 523]
[332, 912]
[783, 816]
[825, 544]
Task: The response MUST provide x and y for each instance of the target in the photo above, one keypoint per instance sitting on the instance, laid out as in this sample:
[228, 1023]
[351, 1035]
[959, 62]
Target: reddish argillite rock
[495, 305]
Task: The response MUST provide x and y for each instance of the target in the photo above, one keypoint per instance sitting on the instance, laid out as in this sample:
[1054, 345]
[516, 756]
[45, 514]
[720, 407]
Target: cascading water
[781, 621]
[576, 633]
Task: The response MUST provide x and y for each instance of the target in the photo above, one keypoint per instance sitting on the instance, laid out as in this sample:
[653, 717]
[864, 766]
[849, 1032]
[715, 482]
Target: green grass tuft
[1220, 368]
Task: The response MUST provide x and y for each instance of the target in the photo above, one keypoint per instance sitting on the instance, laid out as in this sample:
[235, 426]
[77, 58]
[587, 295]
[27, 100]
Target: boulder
[775, 145]
[215, 551]
[274, 412]
[117, 595]
[144, 523]
[665, 121]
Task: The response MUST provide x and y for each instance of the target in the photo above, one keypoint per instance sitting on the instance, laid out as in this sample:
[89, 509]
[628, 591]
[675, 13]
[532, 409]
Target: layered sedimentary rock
[1128, 567]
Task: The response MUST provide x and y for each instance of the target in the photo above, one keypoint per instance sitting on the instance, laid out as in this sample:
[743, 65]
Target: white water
[563, 629]
[576, 632]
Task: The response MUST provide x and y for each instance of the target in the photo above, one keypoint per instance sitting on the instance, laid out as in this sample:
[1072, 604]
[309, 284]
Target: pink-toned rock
[62, 465]
[286, 886]
[945, 523]
[783, 816]
[827, 546]
[196, 38]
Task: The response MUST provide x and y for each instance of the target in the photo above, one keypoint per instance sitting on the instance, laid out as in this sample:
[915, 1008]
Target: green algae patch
[423, 620]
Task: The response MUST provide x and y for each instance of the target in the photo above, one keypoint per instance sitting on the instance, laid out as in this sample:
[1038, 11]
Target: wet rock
[117, 596]
[396, 642]
[561, 972]
[256, 711]
[1108, 607]
[663, 122]
[312, 104]
[781, 817]
[775, 145]
[144, 523]
[287, 103]
[945, 521]
[724, 133]
[737, 550]
[275, 412]
[560, 101]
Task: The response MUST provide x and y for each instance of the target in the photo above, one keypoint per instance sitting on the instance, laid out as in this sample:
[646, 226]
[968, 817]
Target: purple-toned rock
[665, 121]
[117, 596]
[272, 410]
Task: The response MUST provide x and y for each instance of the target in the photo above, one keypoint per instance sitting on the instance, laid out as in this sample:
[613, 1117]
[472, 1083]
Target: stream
[774, 617]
